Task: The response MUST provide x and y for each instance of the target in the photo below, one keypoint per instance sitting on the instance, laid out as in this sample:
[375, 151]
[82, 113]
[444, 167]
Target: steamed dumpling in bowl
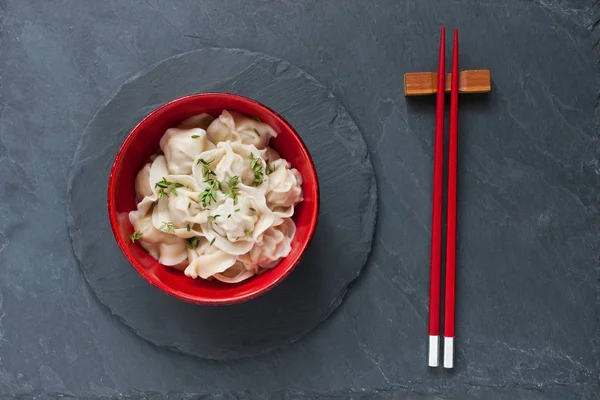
[167, 249]
[181, 146]
[227, 160]
[197, 121]
[274, 244]
[236, 273]
[237, 225]
[284, 190]
[207, 260]
[235, 127]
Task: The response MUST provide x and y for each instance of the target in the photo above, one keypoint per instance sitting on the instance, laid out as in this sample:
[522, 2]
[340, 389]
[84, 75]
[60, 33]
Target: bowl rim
[202, 300]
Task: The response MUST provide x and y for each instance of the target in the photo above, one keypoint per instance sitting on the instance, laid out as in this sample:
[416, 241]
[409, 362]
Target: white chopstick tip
[434, 351]
[448, 352]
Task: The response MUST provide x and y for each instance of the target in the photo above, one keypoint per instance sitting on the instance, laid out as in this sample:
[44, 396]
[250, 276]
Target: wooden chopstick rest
[425, 83]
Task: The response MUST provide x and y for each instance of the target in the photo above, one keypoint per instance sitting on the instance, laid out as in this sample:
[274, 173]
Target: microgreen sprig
[192, 243]
[137, 235]
[207, 196]
[166, 187]
[232, 189]
[256, 166]
[206, 171]
[167, 226]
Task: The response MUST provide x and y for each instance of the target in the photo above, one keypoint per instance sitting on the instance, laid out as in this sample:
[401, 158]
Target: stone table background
[528, 295]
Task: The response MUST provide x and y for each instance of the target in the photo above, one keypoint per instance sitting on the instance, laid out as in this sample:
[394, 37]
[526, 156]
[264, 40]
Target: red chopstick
[436, 219]
[449, 303]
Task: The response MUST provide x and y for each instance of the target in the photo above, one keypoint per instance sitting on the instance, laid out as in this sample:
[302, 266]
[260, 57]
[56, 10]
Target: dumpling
[239, 160]
[231, 159]
[234, 126]
[284, 184]
[234, 221]
[176, 215]
[142, 182]
[167, 249]
[271, 155]
[234, 274]
[177, 197]
[284, 190]
[237, 225]
[208, 260]
[256, 197]
[275, 245]
[157, 171]
[218, 132]
[197, 121]
[181, 146]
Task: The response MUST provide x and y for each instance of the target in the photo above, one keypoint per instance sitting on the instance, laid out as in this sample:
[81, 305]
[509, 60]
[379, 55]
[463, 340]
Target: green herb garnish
[215, 184]
[253, 161]
[232, 189]
[166, 187]
[213, 217]
[212, 241]
[137, 235]
[256, 165]
[167, 226]
[256, 119]
[268, 170]
[188, 227]
[206, 171]
[237, 210]
[247, 232]
[252, 209]
[257, 133]
[195, 136]
[233, 181]
[192, 243]
[163, 183]
[207, 196]
[209, 174]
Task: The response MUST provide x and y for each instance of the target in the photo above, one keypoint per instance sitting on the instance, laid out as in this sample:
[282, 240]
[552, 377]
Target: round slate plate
[338, 251]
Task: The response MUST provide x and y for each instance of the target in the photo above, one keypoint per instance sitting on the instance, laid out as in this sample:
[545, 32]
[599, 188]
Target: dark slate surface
[338, 250]
[528, 294]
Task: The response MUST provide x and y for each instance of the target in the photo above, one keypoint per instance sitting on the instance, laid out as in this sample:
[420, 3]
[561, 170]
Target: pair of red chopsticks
[436, 229]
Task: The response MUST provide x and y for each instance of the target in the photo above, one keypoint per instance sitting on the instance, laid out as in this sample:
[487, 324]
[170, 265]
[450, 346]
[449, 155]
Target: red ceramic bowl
[143, 141]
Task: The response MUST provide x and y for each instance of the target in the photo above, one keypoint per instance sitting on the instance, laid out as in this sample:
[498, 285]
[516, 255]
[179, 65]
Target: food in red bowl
[213, 198]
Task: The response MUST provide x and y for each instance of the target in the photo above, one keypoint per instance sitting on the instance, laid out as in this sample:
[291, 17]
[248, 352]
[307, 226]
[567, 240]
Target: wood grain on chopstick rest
[425, 83]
